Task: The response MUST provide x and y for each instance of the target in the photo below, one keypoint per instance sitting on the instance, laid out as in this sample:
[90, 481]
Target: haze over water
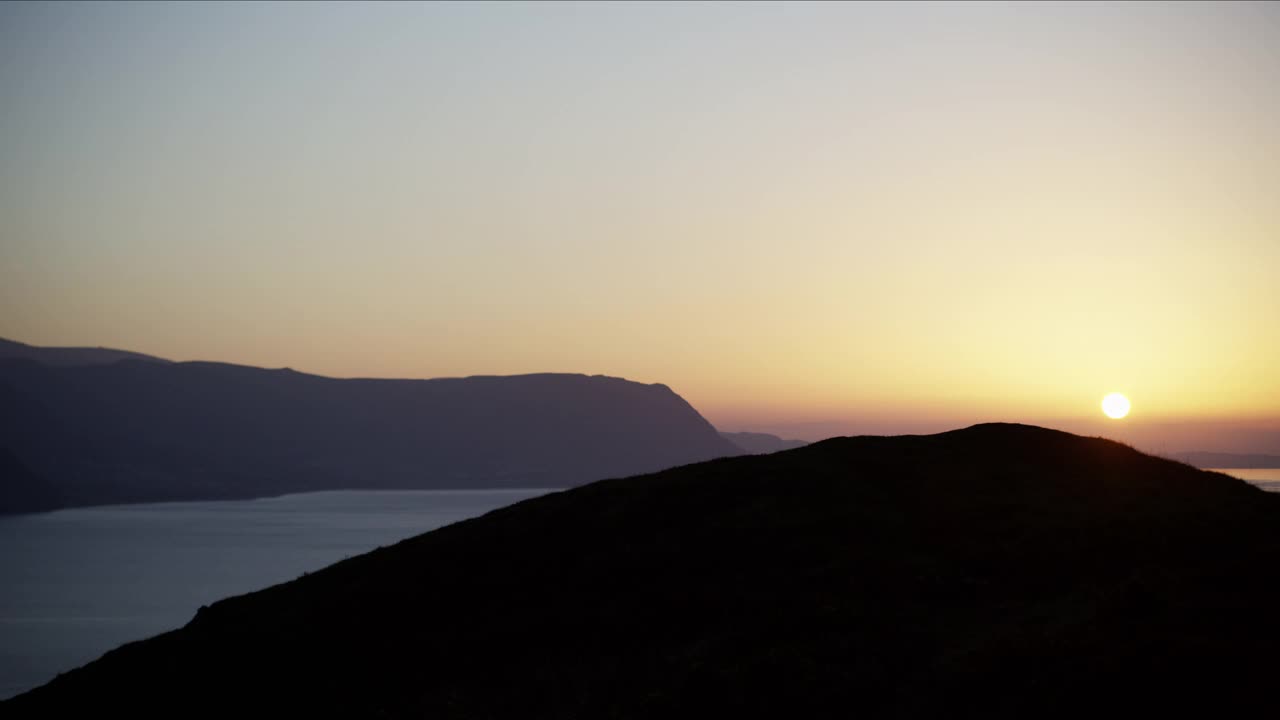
[1266, 478]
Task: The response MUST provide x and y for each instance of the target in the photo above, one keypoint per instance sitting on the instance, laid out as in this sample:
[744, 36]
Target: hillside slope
[23, 490]
[997, 571]
[136, 431]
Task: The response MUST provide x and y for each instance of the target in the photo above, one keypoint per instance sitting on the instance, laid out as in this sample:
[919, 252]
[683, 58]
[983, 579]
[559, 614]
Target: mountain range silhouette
[117, 428]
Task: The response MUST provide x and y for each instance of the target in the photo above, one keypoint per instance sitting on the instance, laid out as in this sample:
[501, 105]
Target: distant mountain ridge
[140, 431]
[69, 356]
[761, 443]
[1000, 571]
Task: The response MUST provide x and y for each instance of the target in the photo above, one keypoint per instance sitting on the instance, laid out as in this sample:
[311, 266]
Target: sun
[1115, 406]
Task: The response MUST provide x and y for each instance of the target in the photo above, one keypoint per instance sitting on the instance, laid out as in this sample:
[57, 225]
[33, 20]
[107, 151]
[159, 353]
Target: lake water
[77, 583]
[1265, 478]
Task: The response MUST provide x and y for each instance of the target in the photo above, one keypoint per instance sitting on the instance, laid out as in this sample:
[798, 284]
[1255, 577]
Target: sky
[810, 219]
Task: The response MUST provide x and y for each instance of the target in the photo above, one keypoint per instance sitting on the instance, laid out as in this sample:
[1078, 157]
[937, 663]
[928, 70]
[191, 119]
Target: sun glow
[1115, 406]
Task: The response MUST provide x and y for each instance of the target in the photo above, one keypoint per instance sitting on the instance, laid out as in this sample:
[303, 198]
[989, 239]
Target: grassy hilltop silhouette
[996, 571]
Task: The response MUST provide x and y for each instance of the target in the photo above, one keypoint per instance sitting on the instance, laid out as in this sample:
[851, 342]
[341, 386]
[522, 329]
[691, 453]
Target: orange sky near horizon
[880, 216]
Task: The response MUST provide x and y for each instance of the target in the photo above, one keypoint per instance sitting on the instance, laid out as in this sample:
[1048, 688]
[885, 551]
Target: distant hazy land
[1228, 460]
[757, 443]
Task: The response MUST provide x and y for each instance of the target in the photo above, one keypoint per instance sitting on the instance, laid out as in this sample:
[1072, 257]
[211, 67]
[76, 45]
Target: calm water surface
[77, 583]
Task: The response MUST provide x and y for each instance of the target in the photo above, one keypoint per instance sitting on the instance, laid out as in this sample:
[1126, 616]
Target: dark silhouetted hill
[135, 431]
[69, 356]
[761, 443]
[1228, 460]
[999, 571]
